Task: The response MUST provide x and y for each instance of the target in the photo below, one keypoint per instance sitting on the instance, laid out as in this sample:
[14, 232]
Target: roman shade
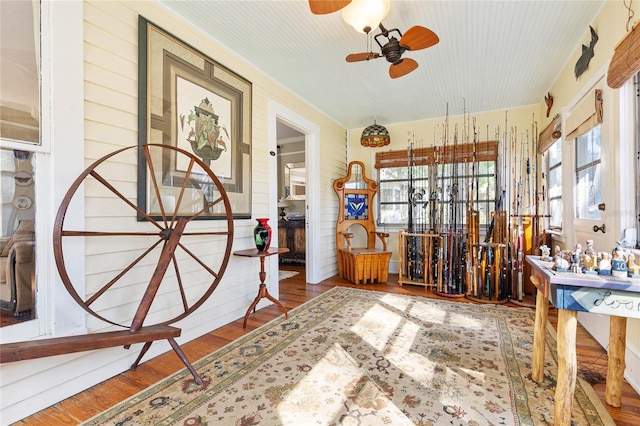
[586, 115]
[550, 134]
[461, 153]
[626, 59]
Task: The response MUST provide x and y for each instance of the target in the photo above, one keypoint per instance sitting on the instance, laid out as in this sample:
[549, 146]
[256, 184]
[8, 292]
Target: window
[17, 241]
[20, 71]
[588, 171]
[441, 185]
[636, 105]
[554, 179]
[19, 139]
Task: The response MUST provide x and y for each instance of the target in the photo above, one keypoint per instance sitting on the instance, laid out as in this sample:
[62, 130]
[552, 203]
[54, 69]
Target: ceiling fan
[415, 38]
[321, 7]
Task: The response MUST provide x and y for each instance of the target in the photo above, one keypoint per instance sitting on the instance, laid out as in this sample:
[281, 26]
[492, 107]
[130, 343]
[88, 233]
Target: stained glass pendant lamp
[375, 136]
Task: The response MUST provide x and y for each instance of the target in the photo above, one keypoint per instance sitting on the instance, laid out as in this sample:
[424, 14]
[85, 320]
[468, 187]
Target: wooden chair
[355, 194]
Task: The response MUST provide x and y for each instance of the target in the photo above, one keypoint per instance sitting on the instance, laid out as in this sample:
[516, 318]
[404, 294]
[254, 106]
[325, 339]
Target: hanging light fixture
[375, 136]
[365, 15]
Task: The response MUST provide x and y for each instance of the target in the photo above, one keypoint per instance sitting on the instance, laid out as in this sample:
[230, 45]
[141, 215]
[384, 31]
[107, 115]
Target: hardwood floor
[8, 318]
[293, 292]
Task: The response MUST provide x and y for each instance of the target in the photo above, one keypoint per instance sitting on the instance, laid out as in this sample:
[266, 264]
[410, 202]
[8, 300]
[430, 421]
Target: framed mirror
[295, 178]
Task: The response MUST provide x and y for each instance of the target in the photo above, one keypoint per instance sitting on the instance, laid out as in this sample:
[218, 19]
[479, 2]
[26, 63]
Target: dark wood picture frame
[187, 100]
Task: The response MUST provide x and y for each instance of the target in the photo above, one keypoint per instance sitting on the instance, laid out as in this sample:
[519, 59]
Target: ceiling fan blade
[321, 7]
[417, 37]
[363, 56]
[404, 67]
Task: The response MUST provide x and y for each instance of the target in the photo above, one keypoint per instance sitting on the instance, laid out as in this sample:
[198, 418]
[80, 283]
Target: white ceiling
[492, 55]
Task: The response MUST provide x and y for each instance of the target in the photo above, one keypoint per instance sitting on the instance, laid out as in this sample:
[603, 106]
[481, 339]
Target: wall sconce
[365, 15]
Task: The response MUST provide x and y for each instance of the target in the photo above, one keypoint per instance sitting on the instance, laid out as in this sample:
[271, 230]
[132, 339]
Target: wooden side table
[262, 292]
[572, 293]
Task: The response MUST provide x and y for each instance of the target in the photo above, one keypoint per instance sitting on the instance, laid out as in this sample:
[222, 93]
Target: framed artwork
[189, 101]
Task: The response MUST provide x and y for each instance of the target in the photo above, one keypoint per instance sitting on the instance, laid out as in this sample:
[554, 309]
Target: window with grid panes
[588, 175]
[440, 189]
[554, 180]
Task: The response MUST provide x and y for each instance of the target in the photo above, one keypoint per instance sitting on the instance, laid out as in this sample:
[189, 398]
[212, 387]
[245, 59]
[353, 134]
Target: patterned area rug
[357, 357]
[283, 275]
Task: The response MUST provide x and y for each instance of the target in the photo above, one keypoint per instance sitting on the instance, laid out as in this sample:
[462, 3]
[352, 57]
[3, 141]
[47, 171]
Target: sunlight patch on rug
[354, 356]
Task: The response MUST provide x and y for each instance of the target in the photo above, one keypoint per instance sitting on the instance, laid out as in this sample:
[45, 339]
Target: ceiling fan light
[365, 15]
[375, 136]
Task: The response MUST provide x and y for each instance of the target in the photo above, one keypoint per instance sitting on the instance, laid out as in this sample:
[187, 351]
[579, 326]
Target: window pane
[393, 173]
[555, 210]
[555, 153]
[486, 188]
[394, 214]
[555, 182]
[17, 179]
[588, 194]
[393, 192]
[588, 147]
[19, 71]
[487, 167]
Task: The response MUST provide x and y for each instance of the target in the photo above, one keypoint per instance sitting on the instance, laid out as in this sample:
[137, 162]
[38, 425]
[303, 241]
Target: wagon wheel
[184, 256]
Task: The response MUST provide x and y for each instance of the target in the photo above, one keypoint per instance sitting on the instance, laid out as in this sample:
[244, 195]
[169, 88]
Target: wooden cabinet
[291, 234]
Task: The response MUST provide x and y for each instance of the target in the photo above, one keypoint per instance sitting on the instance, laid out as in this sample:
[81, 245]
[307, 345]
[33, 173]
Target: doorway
[292, 177]
[311, 131]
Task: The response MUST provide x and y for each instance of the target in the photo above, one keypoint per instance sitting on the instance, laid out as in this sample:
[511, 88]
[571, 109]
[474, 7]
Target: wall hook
[602, 228]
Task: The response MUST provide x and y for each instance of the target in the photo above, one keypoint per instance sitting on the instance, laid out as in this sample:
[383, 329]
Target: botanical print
[204, 119]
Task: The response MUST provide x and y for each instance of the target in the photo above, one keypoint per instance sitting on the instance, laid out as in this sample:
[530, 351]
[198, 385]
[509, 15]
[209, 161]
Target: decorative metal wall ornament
[587, 53]
[599, 105]
[549, 101]
[375, 136]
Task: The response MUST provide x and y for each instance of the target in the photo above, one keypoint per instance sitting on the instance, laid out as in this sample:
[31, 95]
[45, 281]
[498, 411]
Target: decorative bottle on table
[262, 234]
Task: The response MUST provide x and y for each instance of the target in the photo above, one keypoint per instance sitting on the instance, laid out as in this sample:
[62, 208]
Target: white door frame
[311, 131]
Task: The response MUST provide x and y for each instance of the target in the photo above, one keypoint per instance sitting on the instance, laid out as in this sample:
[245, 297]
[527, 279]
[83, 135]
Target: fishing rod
[508, 258]
[472, 222]
[536, 224]
[435, 255]
[453, 198]
[514, 238]
[520, 246]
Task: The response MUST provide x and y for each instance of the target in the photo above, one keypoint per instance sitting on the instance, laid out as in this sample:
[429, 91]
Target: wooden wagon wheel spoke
[123, 198]
[168, 242]
[197, 259]
[182, 190]
[107, 286]
[183, 297]
[69, 233]
[156, 188]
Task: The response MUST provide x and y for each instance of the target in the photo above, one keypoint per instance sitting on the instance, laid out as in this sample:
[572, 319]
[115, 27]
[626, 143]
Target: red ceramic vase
[262, 234]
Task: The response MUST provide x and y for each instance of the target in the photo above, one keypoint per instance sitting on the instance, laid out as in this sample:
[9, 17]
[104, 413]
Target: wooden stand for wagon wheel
[163, 241]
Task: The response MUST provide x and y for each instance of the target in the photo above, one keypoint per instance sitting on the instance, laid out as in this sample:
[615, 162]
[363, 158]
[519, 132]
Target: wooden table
[262, 292]
[572, 293]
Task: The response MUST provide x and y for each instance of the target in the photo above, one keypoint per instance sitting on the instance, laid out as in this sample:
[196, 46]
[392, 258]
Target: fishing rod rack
[421, 264]
[489, 264]
[457, 264]
[441, 247]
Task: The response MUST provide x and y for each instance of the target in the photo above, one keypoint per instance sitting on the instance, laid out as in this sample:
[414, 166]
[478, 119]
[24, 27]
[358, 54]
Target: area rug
[357, 357]
[283, 275]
